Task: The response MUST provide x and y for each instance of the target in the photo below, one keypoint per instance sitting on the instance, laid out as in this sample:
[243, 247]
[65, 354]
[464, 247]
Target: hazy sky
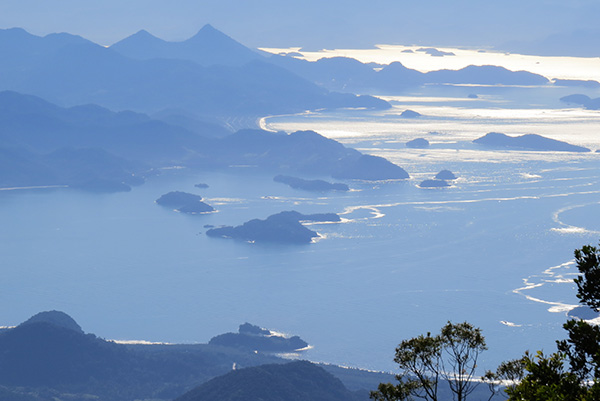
[308, 23]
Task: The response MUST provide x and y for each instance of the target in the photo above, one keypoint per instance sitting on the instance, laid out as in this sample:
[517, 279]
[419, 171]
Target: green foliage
[547, 379]
[572, 373]
[588, 284]
[424, 360]
[506, 376]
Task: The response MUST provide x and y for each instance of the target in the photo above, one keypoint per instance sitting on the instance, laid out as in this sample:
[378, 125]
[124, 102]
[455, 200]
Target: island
[434, 184]
[410, 114]
[254, 338]
[445, 175]
[185, 202]
[311, 185]
[527, 142]
[284, 227]
[590, 84]
[369, 168]
[435, 52]
[418, 143]
[582, 100]
[583, 312]
[201, 185]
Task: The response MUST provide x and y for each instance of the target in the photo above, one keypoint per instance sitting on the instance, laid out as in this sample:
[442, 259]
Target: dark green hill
[49, 355]
[55, 318]
[294, 381]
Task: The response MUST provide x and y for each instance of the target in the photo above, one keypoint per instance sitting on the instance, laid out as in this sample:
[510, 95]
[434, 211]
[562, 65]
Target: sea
[494, 249]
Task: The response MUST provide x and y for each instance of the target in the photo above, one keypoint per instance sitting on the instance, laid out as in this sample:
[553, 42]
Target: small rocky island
[410, 114]
[527, 142]
[418, 143]
[434, 184]
[284, 227]
[254, 338]
[185, 202]
[445, 175]
[311, 185]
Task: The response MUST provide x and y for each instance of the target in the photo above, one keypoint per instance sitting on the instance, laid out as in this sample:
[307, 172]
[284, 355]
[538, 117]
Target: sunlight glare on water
[550, 67]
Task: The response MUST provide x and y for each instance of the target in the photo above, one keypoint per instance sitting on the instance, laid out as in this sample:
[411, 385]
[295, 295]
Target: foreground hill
[49, 357]
[295, 381]
[50, 354]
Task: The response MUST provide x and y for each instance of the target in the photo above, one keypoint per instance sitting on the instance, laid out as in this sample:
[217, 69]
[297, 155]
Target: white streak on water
[570, 229]
[553, 275]
[33, 187]
[510, 324]
[138, 342]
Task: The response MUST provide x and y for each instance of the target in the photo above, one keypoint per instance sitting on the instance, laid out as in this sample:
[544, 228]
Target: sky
[310, 23]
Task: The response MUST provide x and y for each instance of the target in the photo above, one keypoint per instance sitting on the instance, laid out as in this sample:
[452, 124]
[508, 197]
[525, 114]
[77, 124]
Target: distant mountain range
[70, 70]
[347, 74]
[210, 75]
[208, 47]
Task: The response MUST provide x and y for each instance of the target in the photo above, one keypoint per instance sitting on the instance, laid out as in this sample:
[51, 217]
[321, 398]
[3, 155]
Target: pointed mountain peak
[142, 33]
[55, 318]
[141, 38]
[210, 32]
[208, 27]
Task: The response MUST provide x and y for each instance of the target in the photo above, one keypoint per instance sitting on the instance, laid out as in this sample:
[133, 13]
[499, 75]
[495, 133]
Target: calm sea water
[495, 249]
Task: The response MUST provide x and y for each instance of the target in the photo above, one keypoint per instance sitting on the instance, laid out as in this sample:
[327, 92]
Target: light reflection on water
[583, 68]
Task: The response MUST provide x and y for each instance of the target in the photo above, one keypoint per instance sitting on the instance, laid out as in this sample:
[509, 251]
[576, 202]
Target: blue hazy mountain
[588, 84]
[69, 71]
[346, 74]
[485, 75]
[527, 142]
[582, 100]
[208, 47]
[332, 24]
[91, 147]
[301, 152]
[36, 125]
[90, 169]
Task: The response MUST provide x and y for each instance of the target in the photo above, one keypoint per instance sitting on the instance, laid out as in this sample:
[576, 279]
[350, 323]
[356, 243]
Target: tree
[588, 285]
[507, 375]
[424, 360]
[573, 372]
